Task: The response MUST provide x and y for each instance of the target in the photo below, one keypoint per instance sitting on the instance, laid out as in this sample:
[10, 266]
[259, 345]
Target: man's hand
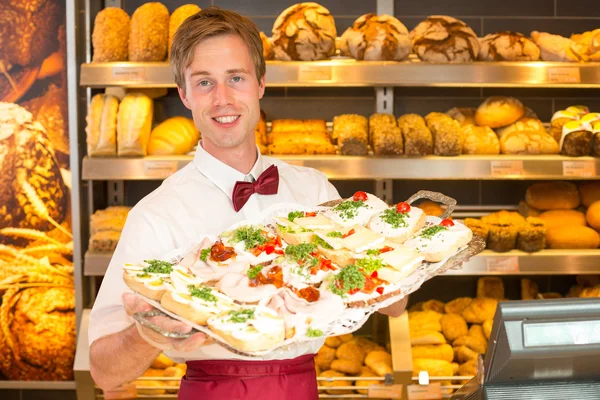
[134, 304]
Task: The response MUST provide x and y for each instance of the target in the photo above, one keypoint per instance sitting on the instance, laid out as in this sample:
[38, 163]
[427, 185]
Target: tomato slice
[379, 290]
[385, 249]
[360, 196]
[402, 207]
[447, 223]
[353, 291]
[310, 214]
[269, 249]
[350, 232]
[279, 251]
[374, 274]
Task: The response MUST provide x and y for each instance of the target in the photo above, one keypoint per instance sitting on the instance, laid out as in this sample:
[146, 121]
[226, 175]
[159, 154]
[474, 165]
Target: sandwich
[254, 243]
[150, 278]
[438, 242]
[356, 210]
[398, 223]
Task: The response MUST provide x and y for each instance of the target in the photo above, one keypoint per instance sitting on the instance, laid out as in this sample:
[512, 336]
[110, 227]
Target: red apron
[247, 380]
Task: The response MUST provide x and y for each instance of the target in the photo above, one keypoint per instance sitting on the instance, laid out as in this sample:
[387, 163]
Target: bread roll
[468, 369]
[110, 36]
[174, 136]
[479, 310]
[438, 352]
[502, 237]
[593, 215]
[418, 337]
[529, 290]
[425, 320]
[325, 357]
[590, 193]
[350, 351]
[352, 134]
[434, 305]
[576, 139]
[432, 366]
[596, 139]
[553, 196]
[457, 305]
[507, 46]
[476, 343]
[149, 33]
[558, 48]
[351, 367]
[572, 237]
[417, 137]
[134, 124]
[444, 39]
[333, 342]
[526, 136]
[447, 138]
[464, 354]
[366, 344]
[162, 362]
[479, 140]
[386, 137]
[173, 372]
[476, 331]
[478, 227]
[453, 326]
[487, 328]
[498, 111]
[380, 362]
[301, 143]
[532, 235]
[504, 217]
[101, 126]
[332, 383]
[464, 116]
[558, 218]
[490, 287]
[366, 372]
[558, 120]
[179, 15]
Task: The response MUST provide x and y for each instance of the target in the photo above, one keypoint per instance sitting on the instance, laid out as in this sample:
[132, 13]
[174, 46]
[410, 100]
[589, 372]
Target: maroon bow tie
[267, 183]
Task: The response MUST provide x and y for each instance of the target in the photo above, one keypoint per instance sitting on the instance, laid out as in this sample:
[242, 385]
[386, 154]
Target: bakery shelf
[38, 385]
[95, 263]
[354, 167]
[347, 72]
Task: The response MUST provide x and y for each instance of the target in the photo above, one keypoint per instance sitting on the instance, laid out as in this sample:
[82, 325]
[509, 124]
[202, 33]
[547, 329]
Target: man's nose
[222, 95]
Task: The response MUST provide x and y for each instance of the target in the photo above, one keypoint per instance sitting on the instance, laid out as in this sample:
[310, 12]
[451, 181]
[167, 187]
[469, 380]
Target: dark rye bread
[508, 46]
[444, 39]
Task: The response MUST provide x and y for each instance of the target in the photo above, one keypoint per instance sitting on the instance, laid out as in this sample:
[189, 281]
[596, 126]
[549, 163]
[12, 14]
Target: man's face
[222, 91]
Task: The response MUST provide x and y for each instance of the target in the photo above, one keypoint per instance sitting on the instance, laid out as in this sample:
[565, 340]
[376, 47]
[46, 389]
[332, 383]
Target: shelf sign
[129, 74]
[385, 391]
[159, 169]
[584, 169]
[433, 391]
[564, 75]
[503, 264]
[314, 73]
[506, 168]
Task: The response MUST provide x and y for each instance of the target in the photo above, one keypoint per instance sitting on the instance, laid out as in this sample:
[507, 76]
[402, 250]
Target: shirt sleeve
[142, 238]
[328, 191]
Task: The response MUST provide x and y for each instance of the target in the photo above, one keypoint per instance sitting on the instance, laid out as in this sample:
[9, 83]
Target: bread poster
[37, 299]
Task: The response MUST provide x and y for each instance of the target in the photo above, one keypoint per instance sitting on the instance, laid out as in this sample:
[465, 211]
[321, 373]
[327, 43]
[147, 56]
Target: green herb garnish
[300, 251]
[314, 332]
[432, 230]
[370, 264]
[204, 254]
[335, 234]
[204, 293]
[295, 214]
[320, 242]
[285, 229]
[393, 218]
[254, 271]
[349, 209]
[250, 235]
[349, 278]
[372, 252]
[143, 275]
[158, 267]
[241, 316]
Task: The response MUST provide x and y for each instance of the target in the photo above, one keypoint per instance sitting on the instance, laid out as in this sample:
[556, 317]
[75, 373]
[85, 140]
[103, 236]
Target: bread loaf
[553, 196]
[110, 38]
[417, 137]
[267, 46]
[174, 136]
[559, 119]
[447, 138]
[464, 116]
[590, 193]
[300, 143]
[386, 137]
[179, 15]
[134, 124]
[576, 139]
[532, 235]
[149, 33]
[479, 140]
[526, 136]
[490, 287]
[296, 125]
[304, 32]
[352, 134]
[507, 46]
[101, 126]
[558, 218]
[498, 111]
[377, 38]
[444, 39]
[593, 215]
[558, 48]
[572, 237]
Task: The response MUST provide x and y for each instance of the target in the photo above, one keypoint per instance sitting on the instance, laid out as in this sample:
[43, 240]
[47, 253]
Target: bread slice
[414, 219]
[196, 315]
[141, 288]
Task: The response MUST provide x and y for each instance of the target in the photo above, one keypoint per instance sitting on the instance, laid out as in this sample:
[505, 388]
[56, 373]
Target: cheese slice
[401, 257]
[315, 223]
[362, 239]
[283, 221]
[392, 275]
[335, 242]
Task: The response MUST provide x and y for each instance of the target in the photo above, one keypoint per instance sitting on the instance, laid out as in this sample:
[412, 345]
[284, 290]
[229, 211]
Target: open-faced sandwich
[151, 278]
[398, 223]
[299, 226]
[254, 243]
[438, 242]
[343, 246]
[356, 210]
[209, 262]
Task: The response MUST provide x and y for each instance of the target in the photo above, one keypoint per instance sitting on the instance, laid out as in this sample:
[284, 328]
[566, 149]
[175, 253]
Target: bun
[558, 218]
[332, 382]
[140, 288]
[149, 33]
[352, 134]
[432, 366]
[572, 237]
[453, 327]
[325, 357]
[498, 111]
[380, 362]
[350, 367]
[101, 126]
[447, 139]
[552, 196]
[479, 310]
[174, 136]
[366, 372]
[590, 193]
[134, 123]
[350, 351]
[444, 39]
[111, 35]
[300, 143]
[558, 48]
[593, 215]
[457, 305]
[420, 337]
[438, 352]
[179, 15]
[418, 140]
[386, 137]
[479, 140]
[526, 136]
[507, 46]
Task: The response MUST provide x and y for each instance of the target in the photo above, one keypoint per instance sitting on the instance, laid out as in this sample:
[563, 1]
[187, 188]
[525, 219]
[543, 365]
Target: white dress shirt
[193, 202]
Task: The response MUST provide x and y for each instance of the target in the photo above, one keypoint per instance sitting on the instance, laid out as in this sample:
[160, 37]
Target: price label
[564, 75]
[506, 168]
[385, 391]
[433, 391]
[159, 169]
[129, 74]
[314, 73]
[579, 168]
[503, 264]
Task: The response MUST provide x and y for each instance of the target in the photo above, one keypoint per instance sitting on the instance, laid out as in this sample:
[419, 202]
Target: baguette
[101, 126]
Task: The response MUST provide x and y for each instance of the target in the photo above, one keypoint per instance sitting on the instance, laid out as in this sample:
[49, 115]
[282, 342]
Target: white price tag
[506, 168]
[385, 391]
[314, 73]
[433, 391]
[503, 264]
[564, 75]
[129, 74]
[159, 169]
[579, 168]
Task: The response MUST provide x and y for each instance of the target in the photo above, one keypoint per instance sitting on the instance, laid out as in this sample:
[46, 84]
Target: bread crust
[140, 288]
[265, 342]
[185, 310]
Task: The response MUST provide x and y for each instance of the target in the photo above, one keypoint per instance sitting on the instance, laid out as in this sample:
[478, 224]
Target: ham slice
[236, 286]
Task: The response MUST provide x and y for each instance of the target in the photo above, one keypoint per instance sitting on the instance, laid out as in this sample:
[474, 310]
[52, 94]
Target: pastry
[526, 136]
[453, 326]
[529, 291]
[351, 367]
[478, 227]
[110, 36]
[333, 342]
[502, 237]
[559, 119]
[366, 372]
[507, 46]
[267, 47]
[417, 137]
[352, 134]
[476, 331]
[476, 343]
[490, 287]
[380, 362]
[572, 237]
[487, 327]
[325, 357]
[162, 362]
[437, 352]
[591, 41]
[398, 223]
[576, 139]
[432, 366]
[149, 33]
[350, 351]
[590, 193]
[457, 305]
[553, 196]
[444, 39]
[174, 136]
[464, 116]
[479, 140]
[559, 48]
[386, 137]
[101, 126]
[304, 32]
[366, 344]
[479, 310]
[433, 305]
[176, 19]
[377, 38]
[437, 242]
[447, 138]
[422, 337]
[532, 235]
[468, 368]
[425, 320]
[332, 382]
[134, 124]
[558, 218]
[498, 111]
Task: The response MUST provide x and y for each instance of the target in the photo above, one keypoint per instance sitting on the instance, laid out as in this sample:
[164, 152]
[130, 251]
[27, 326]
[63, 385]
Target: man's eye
[203, 83]
[236, 79]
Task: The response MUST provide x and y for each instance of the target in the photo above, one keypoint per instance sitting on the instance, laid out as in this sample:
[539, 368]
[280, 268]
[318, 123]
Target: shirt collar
[221, 174]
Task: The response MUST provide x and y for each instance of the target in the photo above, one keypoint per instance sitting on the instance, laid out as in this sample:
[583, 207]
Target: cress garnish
[370, 264]
[158, 267]
[204, 254]
[254, 271]
[295, 214]
[394, 218]
[250, 235]
[314, 332]
[241, 316]
[349, 208]
[204, 293]
[335, 234]
[349, 279]
[428, 233]
[320, 242]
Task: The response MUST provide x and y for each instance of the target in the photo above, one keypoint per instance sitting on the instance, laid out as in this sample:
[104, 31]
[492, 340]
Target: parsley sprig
[350, 278]
[393, 218]
[254, 271]
[349, 208]
[204, 293]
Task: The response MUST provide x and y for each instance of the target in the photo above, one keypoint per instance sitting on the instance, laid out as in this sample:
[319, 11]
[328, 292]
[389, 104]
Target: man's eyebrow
[229, 71]
[199, 73]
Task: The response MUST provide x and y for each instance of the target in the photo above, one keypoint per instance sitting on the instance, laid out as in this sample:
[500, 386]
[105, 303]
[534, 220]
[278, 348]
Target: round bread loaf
[553, 196]
[498, 111]
[572, 237]
[507, 46]
[174, 136]
[179, 15]
[479, 140]
[526, 136]
[464, 116]
[444, 39]
[593, 215]
[110, 38]
[590, 193]
[304, 32]
[376, 38]
[558, 218]
[267, 47]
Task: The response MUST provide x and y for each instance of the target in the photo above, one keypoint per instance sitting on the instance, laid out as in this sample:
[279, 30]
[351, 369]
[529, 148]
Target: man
[220, 73]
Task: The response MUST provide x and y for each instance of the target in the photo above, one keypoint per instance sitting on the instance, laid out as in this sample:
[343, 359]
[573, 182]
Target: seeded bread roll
[177, 18]
[507, 46]
[352, 134]
[386, 137]
[377, 38]
[444, 39]
[447, 139]
[497, 111]
[304, 32]
[553, 196]
[526, 136]
[101, 126]
[111, 35]
[464, 116]
[479, 140]
[418, 140]
[149, 33]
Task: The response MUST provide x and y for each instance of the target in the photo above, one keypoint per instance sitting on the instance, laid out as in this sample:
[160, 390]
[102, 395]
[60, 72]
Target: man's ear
[184, 99]
[261, 87]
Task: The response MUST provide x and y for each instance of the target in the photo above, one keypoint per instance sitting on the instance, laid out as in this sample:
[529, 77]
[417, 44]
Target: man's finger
[191, 343]
[134, 303]
[170, 325]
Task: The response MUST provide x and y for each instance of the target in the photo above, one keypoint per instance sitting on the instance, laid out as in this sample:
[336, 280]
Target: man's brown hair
[211, 22]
